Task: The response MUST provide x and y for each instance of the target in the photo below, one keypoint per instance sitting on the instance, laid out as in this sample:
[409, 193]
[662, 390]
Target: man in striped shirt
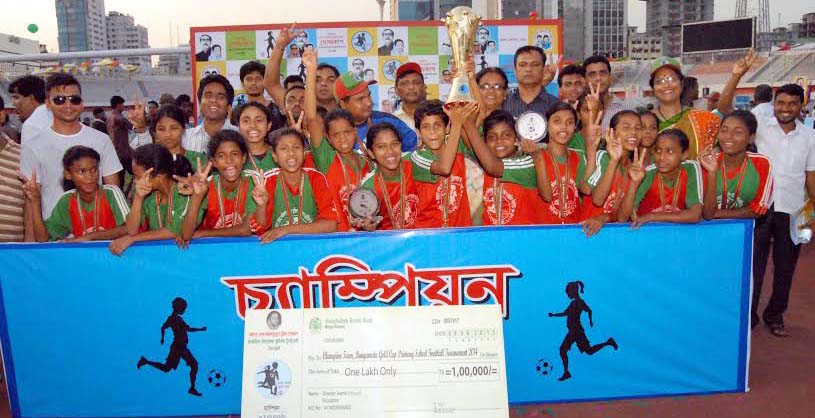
[11, 192]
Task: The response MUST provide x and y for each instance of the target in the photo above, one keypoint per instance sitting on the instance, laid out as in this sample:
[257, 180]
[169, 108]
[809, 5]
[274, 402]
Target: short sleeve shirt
[227, 209]
[656, 195]
[343, 175]
[398, 198]
[750, 185]
[155, 215]
[443, 201]
[44, 153]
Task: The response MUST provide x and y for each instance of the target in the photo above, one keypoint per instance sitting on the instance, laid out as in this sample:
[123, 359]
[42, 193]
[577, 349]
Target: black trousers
[773, 230]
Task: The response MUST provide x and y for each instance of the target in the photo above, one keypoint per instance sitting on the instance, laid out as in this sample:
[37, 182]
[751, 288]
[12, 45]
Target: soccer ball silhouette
[544, 367]
[216, 378]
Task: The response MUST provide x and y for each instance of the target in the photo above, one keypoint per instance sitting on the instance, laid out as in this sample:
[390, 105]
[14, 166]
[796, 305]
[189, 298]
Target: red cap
[408, 66]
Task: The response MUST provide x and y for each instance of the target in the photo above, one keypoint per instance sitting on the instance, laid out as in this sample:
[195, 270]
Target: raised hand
[143, 186]
[298, 124]
[709, 159]
[594, 133]
[137, 116]
[285, 35]
[259, 193]
[614, 145]
[593, 101]
[310, 60]
[30, 187]
[743, 64]
[550, 69]
[462, 113]
[636, 170]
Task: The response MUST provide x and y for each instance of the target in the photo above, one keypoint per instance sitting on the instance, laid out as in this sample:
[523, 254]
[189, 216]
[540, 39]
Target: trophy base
[460, 93]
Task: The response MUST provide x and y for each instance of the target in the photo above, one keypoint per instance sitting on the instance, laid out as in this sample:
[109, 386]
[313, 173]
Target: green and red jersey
[227, 209]
[513, 199]
[656, 194]
[166, 213]
[443, 201]
[748, 185]
[73, 217]
[565, 174]
[305, 203]
[194, 157]
[619, 184]
[398, 197]
[343, 174]
[261, 164]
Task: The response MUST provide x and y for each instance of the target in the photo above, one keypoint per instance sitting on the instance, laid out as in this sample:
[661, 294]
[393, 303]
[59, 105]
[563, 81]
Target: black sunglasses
[60, 100]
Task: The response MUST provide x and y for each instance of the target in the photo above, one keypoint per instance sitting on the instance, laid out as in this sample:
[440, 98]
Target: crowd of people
[287, 160]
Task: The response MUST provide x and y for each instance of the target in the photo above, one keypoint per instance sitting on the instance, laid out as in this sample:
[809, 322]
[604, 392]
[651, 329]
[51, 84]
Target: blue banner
[658, 311]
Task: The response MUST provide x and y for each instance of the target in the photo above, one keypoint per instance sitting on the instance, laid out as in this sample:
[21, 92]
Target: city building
[642, 46]
[807, 26]
[81, 25]
[124, 33]
[175, 64]
[781, 35]
[664, 18]
[610, 21]
[15, 45]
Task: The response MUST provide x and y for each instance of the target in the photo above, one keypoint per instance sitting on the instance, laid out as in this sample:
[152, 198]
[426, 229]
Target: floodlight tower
[763, 13]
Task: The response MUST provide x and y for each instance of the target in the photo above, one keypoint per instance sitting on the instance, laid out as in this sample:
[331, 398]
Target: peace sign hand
[298, 125]
[614, 145]
[202, 172]
[285, 35]
[595, 133]
[550, 70]
[636, 170]
[143, 186]
[593, 102]
[743, 65]
[259, 193]
[709, 159]
[137, 116]
[31, 188]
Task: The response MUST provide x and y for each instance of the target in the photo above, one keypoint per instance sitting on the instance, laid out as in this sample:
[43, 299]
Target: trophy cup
[462, 23]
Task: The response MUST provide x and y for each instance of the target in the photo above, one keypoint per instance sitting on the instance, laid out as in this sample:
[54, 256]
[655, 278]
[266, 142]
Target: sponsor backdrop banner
[373, 50]
[658, 311]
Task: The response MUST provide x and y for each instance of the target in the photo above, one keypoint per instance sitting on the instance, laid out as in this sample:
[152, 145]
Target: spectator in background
[184, 102]
[43, 154]
[690, 92]
[5, 127]
[411, 90]
[293, 80]
[12, 200]
[531, 92]
[763, 97]
[99, 120]
[166, 98]
[152, 110]
[713, 101]
[28, 97]
[571, 83]
[119, 132]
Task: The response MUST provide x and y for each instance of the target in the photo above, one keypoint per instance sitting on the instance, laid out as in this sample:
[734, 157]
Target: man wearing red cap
[411, 90]
[354, 96]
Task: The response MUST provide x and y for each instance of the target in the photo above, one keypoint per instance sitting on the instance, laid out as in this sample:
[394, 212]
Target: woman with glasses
[699, 125]
[492, 85]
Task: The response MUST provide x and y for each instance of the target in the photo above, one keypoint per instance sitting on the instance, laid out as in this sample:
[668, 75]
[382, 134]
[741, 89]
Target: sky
[164, 19]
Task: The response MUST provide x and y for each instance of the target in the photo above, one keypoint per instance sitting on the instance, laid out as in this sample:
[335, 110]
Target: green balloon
[33, 28]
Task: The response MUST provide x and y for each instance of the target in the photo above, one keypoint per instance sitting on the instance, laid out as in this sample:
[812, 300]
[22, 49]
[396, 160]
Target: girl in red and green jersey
[513, 186]
[438, 166]
[88, 211]
[254, 123]
[168, 130]
[670, 190]
[648, 136]
[332, 146]
[228, 198]
[392, 181]
[738, 184]
[565, 168]
[610, 178]
[158, 208]
[295, 199]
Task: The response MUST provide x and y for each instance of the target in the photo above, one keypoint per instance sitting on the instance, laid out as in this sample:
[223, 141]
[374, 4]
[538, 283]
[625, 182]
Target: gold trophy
[462, 23]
